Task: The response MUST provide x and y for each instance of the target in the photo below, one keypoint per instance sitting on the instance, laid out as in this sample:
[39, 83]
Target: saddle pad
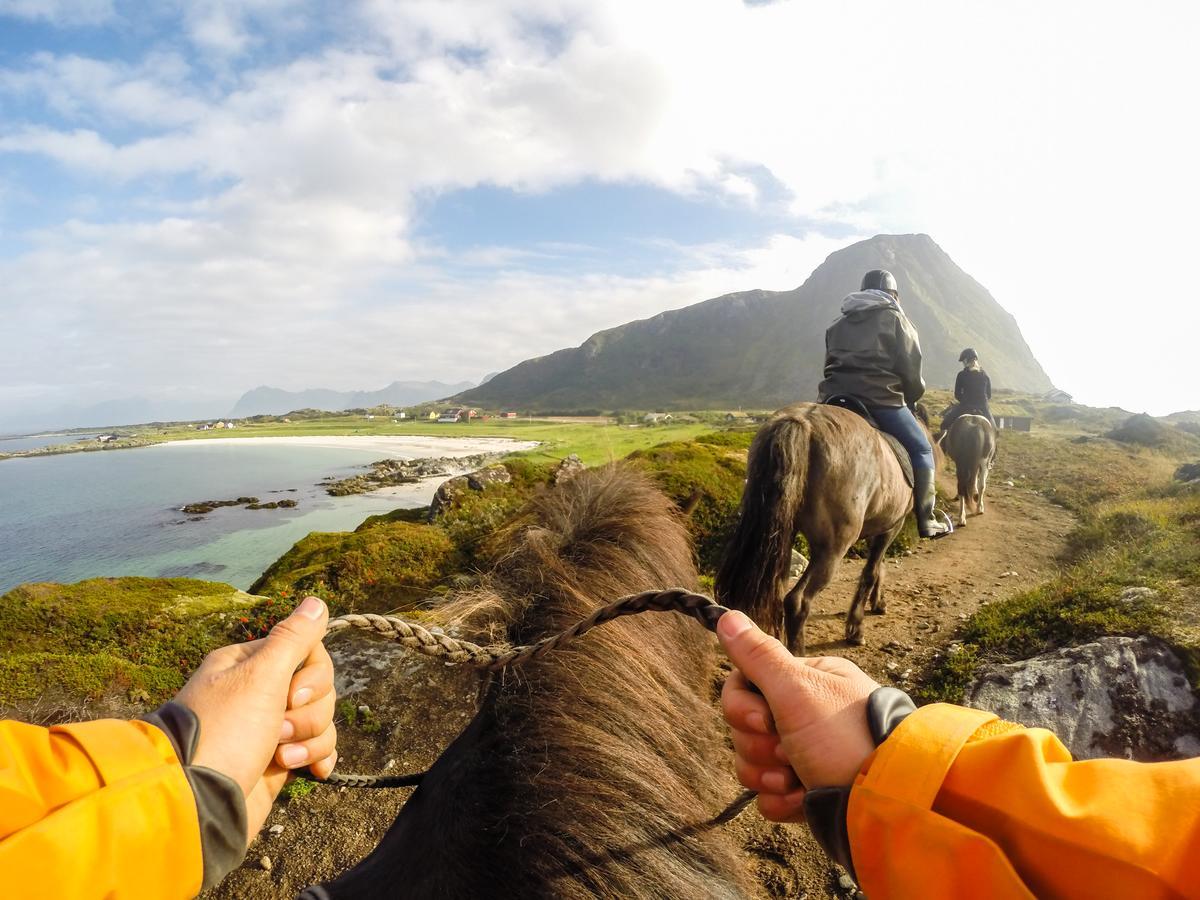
[902, 456]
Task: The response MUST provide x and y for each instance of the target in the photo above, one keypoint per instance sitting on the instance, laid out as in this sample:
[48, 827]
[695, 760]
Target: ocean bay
[85, 515]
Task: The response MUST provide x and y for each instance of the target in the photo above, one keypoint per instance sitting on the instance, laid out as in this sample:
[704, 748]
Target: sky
[201, 196]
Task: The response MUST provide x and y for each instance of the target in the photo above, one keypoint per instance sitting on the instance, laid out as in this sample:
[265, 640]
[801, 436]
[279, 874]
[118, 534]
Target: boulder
[1188, 473]
[493, 474]
[567, 469]
[1117, 696]
[447, 493]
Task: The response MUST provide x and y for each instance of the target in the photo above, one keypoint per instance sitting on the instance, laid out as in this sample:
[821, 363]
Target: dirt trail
[1012, 547]
[422, 704]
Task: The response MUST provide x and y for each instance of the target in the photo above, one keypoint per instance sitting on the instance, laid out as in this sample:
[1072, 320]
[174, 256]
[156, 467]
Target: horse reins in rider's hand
[703, 609]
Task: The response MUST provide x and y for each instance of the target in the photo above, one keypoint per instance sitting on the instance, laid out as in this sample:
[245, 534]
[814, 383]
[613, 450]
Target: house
[737, 416]
[657, 418]
[401, 415]
[433, 414]
[1057, 396]
[205, 427]
[219, 425]
[105, 438]
[452, 415]
[508, 415]
[1014, 423]
[370, 418]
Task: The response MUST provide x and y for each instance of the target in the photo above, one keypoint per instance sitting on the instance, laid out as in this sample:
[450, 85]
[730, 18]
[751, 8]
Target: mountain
[274, 401]
[765, 349]
[123, 411]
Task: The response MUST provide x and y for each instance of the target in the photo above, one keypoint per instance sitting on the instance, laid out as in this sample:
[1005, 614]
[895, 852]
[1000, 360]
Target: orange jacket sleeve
[956, 803]
[95, 809]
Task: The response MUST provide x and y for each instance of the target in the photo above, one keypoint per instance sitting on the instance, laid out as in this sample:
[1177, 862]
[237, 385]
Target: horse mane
[588, 772]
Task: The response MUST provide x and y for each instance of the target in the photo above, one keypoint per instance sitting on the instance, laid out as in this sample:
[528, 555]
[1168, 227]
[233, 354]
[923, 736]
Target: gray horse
[971, 443]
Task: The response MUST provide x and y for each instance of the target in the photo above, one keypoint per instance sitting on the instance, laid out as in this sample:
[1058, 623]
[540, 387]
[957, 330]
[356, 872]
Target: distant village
[1005, 417]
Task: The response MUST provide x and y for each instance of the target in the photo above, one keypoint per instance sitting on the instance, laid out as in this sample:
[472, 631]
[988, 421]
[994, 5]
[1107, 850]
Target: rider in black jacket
[972, 390]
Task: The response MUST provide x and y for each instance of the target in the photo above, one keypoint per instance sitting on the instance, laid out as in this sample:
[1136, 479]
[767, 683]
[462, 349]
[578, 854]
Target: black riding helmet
[880, 280]
[967, 355]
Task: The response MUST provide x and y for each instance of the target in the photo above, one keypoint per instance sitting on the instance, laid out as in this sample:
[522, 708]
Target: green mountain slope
[766, 348]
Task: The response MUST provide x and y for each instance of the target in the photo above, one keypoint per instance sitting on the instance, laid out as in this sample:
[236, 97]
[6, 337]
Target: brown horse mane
[586, 772]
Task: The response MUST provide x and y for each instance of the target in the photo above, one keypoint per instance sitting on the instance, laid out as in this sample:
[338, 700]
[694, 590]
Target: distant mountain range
[274, 401]
[123, 411]
[766, 348]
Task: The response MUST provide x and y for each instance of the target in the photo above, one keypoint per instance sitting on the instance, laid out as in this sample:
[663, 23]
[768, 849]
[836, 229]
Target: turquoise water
[84, 515]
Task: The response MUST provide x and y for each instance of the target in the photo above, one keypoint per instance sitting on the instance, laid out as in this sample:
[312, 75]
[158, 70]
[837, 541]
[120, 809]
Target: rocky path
[422, 704]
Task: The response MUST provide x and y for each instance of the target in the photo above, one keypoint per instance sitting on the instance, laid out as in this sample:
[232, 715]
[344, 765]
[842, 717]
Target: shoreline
[399, 446]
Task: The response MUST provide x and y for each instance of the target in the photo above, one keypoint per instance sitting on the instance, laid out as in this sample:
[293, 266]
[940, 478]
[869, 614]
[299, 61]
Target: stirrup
[942, 518]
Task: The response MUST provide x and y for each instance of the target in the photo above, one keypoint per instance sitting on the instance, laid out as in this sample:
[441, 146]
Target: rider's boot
[925, 491]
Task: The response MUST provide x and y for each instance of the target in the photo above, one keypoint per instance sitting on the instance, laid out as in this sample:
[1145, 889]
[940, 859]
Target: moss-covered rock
[385, 566]
[136, 636]
[402, 558]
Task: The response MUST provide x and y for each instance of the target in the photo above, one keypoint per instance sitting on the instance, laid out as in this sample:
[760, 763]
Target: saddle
[856, 406]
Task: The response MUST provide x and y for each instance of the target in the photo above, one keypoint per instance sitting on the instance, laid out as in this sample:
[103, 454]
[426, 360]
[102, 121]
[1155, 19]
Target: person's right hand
[807, 729]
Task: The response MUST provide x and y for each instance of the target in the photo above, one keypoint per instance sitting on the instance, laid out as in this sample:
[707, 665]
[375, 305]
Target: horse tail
[969, 452]
[759, 551]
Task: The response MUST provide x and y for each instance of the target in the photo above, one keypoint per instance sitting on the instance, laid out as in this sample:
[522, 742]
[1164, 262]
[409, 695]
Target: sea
[85, 515]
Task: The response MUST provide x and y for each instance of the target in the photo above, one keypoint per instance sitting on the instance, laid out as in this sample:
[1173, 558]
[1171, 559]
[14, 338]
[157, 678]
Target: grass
[714, 464]
[401, 559]
[361, 717]
[297, 789]
[139, 636]
[1137, 528]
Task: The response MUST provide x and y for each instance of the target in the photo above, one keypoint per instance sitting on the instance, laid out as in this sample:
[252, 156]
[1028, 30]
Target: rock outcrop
[1117, 696]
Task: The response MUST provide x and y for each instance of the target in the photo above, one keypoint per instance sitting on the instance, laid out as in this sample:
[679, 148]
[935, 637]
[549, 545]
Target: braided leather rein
[700, 607]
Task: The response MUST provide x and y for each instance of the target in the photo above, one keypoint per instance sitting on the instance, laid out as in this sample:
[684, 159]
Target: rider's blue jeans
[900, 423]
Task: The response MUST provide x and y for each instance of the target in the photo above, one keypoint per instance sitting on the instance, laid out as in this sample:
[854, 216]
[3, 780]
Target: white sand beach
[398, 446]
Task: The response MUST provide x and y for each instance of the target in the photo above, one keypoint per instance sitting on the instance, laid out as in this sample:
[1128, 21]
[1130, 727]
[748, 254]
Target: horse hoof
[856, 641]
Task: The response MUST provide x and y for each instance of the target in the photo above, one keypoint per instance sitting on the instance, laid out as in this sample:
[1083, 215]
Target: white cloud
[1031, 141]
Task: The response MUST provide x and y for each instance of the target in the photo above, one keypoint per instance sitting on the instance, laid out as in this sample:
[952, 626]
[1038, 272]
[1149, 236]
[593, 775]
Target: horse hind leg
[983, 480]
[870, 587]
[796, 605]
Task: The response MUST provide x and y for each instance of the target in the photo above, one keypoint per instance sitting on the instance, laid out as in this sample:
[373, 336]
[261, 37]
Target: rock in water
[1118, 696]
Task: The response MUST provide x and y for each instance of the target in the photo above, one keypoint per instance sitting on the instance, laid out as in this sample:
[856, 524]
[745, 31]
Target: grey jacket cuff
[825, 809]
[220, 805]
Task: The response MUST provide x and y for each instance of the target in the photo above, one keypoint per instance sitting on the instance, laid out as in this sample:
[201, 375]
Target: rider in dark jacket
[972, 390]
[872, 353]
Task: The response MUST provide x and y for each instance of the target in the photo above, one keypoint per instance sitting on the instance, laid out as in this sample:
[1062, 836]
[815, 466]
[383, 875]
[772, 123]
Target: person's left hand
[266, 707]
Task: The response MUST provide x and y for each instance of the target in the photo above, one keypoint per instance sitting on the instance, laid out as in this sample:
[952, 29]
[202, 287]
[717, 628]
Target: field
[1075, 519]
[595, 443]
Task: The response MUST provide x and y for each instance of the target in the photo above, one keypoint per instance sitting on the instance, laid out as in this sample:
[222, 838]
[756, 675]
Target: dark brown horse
[588, 772]
[823, 472]
[971, 443]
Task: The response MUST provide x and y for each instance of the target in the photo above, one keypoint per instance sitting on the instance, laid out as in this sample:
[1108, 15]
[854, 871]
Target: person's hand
[807, 729]
[266, 707]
